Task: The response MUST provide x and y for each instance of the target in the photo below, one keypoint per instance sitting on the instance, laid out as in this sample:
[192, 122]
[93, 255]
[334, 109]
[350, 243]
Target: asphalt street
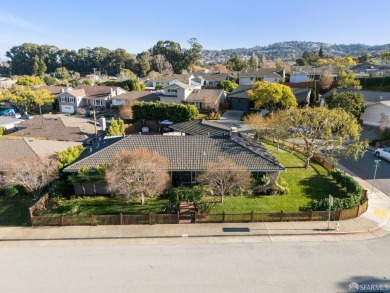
[225, 267]
[365, 168]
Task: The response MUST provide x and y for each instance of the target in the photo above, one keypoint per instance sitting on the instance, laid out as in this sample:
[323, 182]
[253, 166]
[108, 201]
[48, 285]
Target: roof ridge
[237, 140]
[25, 141]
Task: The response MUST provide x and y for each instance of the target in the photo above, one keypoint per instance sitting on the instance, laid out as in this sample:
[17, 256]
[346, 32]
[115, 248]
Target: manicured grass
[14, 211]
[304, 185]
[99, 205]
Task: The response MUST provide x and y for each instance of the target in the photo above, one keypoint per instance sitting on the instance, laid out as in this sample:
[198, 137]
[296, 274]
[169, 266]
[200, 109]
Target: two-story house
[88, 96]
[247, 76]
[177, 93]
[165, 80]
[310, 73]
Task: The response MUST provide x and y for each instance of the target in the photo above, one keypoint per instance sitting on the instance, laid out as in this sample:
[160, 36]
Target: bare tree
[326, 80]
[125, 110]
[137, 173]
[163, 65]
[383, 123]
[225, 177]
[34, 174]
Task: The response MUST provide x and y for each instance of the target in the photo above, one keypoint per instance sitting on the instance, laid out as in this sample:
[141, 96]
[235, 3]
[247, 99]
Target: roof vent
[233, 132]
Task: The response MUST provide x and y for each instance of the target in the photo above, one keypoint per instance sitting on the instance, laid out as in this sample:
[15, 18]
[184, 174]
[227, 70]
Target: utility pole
[376, 162]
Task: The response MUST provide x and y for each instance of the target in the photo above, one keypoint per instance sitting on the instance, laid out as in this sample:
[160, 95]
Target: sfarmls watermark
[367, 287]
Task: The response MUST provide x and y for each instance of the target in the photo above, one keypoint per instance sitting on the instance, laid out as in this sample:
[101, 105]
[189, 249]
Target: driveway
[232, 118]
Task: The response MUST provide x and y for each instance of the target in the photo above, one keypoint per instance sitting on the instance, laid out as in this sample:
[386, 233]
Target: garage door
[67, 109]
[239, 104]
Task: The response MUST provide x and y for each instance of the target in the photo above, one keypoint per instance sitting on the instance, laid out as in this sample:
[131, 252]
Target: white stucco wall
[372, 114]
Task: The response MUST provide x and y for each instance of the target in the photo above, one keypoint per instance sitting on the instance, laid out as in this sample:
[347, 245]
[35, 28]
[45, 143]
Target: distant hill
[294, 49]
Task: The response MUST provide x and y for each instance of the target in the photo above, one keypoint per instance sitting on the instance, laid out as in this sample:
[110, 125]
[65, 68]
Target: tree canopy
[227, 85]
[272, 96]
[351, 102]
[324, 132]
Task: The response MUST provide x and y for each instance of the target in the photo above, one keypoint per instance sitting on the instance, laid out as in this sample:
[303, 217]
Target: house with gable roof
[88, 96]
[247, 76]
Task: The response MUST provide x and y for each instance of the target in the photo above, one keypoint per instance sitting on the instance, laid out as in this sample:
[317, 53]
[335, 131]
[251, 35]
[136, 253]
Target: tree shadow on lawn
[320, 186]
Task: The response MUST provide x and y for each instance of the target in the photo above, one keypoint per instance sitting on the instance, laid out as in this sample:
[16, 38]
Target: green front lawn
[14, 211]
[304, 185]
[99, 205]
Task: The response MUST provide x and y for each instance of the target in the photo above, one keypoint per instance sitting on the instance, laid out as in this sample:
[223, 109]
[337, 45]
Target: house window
[98, 102]
[251, 78]
[63, 99]
[71, 100]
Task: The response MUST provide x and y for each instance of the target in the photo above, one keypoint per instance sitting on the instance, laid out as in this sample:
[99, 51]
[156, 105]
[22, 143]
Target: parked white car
[383, 153]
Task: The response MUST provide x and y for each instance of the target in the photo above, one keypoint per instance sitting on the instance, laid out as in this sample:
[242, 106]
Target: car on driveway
[383, 153]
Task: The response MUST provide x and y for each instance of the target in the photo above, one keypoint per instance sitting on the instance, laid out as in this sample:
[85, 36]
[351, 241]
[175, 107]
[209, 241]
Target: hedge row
[353, 199]
[346, 181]
[161, 111]
[375, 81]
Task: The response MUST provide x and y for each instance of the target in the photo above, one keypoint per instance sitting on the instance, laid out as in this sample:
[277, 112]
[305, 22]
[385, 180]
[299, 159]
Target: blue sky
[138, 25]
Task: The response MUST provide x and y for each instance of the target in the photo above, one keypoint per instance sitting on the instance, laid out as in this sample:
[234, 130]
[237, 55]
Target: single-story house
[52, 127]
[239, 99]
[9, 122]
[14, 149]
[88, 96]
[210, 80]
[247, 76]
[134, 97]
[206, 99]
[370, 70]
[309, 73]
[200, 127]
[377, 105]
[186, 155]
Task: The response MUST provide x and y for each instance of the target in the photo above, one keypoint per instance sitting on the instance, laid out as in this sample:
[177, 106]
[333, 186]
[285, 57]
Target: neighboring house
[200, 127]
[54, 90]
[377, 105]
[165, 80]
[134, 97]
[88, 96]
[14, 149]
[186, 155]
[207, 99]
[177, 93]
[210, 80]
[6, 83]
[370, 70]
[52, 127]
[309, 73]
[9, 122]
[239, 99]
[247, 76]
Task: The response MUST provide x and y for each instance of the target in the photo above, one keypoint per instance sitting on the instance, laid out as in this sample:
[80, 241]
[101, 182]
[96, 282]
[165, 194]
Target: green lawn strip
[304, 185]
[14, 211]
[99, 205]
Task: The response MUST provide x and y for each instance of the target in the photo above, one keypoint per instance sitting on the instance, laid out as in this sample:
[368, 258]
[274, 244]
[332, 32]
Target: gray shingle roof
[51, 128]
[316, 70]
[370, 97]
[260, 72]
[187, 152]
[142, 96]
[198, 127]
[205, 95]
[12, 149]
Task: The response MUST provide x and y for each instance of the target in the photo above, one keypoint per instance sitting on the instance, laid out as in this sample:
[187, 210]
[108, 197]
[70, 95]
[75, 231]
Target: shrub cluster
[161, 111]
[354, 191]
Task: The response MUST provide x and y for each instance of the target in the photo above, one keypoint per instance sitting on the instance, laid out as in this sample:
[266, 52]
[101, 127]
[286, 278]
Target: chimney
[233, 132]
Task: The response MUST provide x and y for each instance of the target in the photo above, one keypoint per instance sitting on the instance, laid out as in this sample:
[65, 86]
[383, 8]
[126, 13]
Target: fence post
[311, 215]
[223, 217]
[62, 220]
[150, 218]
[92, 220]
[30, 212]
[196, 217]
[120, 219]
[281, 216]
[358, 211]
[251, 216]
[178, 217]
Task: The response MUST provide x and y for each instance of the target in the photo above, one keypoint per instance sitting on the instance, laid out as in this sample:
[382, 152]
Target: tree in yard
[254, 61]
[125, 111]
[347, 80]
[266, 126]
[29, 80]
[225, 177]
[326, 80]
[27, 98]
[65, 158]
[321, 52]
[34, 174]
[324, 132]
[62, 73]
[236, 63]
[383, 123]
[351, 102]
[116, 128]
[272, 96]
[227, 85]
[163, 66]
[219, 68]
[139, 173]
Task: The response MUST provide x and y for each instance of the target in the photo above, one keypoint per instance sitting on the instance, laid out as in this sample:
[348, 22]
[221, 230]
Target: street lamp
[377, 162]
